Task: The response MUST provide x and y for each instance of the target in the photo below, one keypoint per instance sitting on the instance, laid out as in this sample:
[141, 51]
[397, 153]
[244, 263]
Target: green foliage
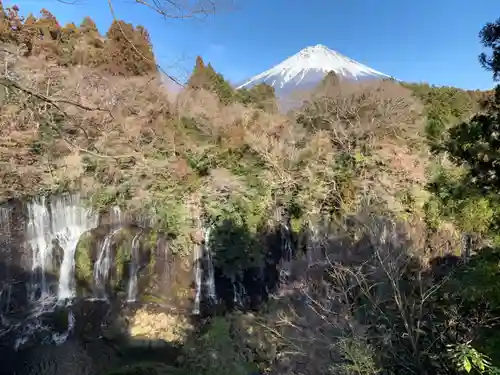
[102, 200]
[476, 146]
[469, 194]
[473, 146]
[479, 282]
[358, 357]
[205, 77]
[123, 256]
[261, 96]
[475, 215]
[445, 106]
[83, 259]
[217, 352]
[467, 359]
[172, 215]
[235, 221]
[490, 36]
[456, 199]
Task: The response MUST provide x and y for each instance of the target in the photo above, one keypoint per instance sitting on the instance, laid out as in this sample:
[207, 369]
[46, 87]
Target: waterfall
[61, 220]
[203, 262]
[134, 267]
[103, 265]
[5, 238]
[287, 253]
[70, 222]
[5, 212]
[238, 292]
[104, 261]
[210, 281]
[314, 252]
[198, 255]
[59, 338]
[39, 236]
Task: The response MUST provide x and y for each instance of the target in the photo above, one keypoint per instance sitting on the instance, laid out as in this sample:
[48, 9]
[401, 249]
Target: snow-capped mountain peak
[308, 67]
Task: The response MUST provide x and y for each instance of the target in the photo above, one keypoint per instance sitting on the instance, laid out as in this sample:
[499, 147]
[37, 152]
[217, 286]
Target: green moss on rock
[83, 258]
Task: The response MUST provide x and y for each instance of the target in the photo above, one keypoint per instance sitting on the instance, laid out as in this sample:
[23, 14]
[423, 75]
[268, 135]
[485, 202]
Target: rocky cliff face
[57, 254]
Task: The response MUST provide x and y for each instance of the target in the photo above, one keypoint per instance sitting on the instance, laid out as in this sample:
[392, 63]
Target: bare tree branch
[180, 9]
[6, 82]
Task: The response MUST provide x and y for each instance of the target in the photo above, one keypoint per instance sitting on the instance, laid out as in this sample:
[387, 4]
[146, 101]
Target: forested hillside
[395, 185]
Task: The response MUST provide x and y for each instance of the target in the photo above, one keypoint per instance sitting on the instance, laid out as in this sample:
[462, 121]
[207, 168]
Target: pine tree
[490, 38]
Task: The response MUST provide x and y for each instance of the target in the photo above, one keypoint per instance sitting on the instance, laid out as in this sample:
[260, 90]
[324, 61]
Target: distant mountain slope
[308, 67]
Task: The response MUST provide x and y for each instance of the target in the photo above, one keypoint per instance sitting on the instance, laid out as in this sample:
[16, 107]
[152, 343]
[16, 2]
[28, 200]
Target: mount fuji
[308, 67]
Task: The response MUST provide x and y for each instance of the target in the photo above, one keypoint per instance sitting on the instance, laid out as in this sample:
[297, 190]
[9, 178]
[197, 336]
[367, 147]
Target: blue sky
[435, 41]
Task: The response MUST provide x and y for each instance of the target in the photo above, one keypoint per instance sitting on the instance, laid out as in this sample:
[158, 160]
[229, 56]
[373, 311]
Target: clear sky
[435, 41]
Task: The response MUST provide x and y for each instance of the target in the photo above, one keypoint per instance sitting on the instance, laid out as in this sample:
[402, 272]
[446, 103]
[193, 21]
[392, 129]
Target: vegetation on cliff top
[388, 171]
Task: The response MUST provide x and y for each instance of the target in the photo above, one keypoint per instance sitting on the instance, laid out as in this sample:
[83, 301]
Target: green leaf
[467, 365]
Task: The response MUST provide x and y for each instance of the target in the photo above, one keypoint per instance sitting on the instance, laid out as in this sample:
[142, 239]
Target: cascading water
[54, 227]
[39, 236]
[73, 221]
[203, 262]
[5, 213]
[287, 253]
[62, 219]
[59, 338]
[198, 255]
[210, 280]
[5, 237]
[315, 252]
[103, 264]
[134, 267]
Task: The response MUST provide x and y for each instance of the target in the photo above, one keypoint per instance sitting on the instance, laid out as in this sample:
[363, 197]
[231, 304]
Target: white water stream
[62, 221]
[134, 267]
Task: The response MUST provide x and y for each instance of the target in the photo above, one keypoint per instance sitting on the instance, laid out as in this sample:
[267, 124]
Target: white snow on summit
[309, 66]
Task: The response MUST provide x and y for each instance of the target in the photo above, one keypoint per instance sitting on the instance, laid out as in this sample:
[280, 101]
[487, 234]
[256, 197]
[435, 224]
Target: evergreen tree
[199, 74]
[219, 85]
[48, 25]
[69, 32]
[490, 37]
[88, 26]
[475, 146]
[130, 51]
[205, 77]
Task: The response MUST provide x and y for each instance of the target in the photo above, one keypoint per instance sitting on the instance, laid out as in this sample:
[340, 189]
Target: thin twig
[54, 101]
